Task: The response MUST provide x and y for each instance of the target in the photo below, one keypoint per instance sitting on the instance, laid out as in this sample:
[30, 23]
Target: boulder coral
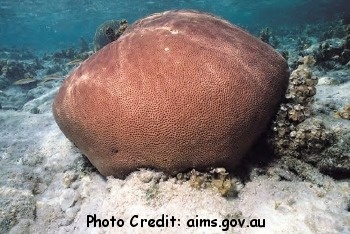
[109, 31]
[178, 90]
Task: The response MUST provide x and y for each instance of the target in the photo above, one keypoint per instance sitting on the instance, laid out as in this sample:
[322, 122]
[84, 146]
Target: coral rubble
[301, 133]
[344, 114]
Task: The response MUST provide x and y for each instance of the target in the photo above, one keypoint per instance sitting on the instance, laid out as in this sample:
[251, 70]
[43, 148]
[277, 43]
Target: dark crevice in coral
[337, 174]
[348, 207]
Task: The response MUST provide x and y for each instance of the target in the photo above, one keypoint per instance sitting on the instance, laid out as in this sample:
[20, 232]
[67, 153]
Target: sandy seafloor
[46, 186]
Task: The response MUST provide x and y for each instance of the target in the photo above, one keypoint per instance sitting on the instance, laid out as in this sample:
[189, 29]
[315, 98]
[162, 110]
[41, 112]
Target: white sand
[44, 190]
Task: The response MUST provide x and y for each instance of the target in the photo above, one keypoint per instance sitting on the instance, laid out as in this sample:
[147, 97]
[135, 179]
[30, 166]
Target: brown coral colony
[178, 90]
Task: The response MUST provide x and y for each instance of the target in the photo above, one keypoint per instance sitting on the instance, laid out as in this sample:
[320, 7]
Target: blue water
[43, 25]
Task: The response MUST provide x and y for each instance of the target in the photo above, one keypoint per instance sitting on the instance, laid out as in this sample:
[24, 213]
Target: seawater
[43, 25]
